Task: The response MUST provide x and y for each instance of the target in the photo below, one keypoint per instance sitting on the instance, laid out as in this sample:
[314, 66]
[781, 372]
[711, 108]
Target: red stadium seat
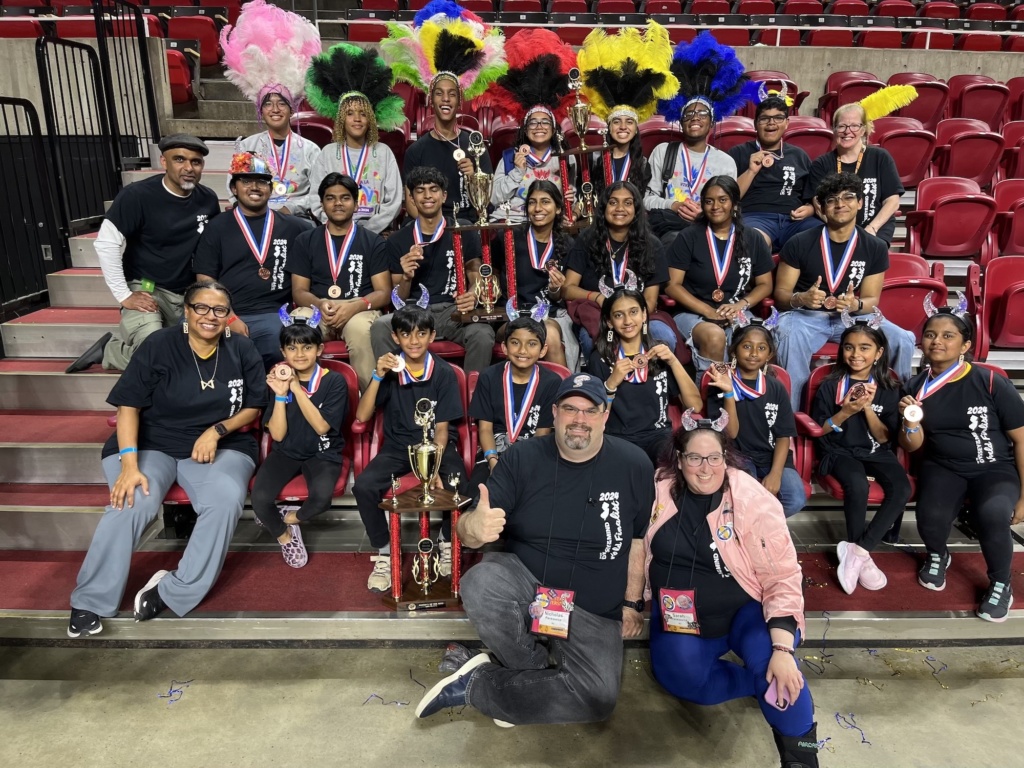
[889, 123]
[975, 41]
[894, 8]
[363, 31]
[731, 132]
[201, 28]
[234, 7]
[1014, 43]
[932, 39]
[805, 121]
[978, 100]
[814, 141]
[952, 219]
[314, 129]
[936, 9]
[658, 131]
[848, 8]
[907, 282]
[1009, 195]
[614, 6]
[912, 149]
[1013, 152]
[930, 105]
[844, 88]
[1017, 14]
[379, 5]
[775, 81]
[569, 6]
[751, 7]
[986, 11]
[180, 77]
[879, 38]
[517, 6]
[573, 28]
[75, 28]
[802, 7]
[778, 37]
[21, 28]
[830, 38]
[965, 148]
[710, 7]
[1002, 301]
[1015, 107]
[737, 37]
[910, 78]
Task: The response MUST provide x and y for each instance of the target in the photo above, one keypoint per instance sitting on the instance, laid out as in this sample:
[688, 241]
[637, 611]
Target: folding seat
[1009, 227]
[848, 8]
[912, 150]
[658, 131]
[731, 132]
[802, 7]
[952, 219]
[1014, 43]
[200, 28]
[933, 40]
[908, 280]
[1002, 302]
[930, 105]
[837, 80]
[805, 121]
[975, 41]
[751, 7]
[986, 11]
[615, 6]
[517, 6]
[379, 5]
[777, 37]
[75, 28]
[671, 7]
[573, 27]
[879, 38]
[981, 99]
[21, 28]
[814, 141]
[1013, 152]
[936, 9]
[737, 37]
[179, 76]
[830, 38]
[894, 8]
[314, 129]
[712, 7]
[889, 123]
[233, 7]
[910, 78]
[775, 81]
[965, 148]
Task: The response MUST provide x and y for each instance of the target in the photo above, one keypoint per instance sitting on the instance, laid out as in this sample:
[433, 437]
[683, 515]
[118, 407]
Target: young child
[857, 407]
[398, 382]
[305, 421]
[761, 421]
[513, 400]
[636, 374]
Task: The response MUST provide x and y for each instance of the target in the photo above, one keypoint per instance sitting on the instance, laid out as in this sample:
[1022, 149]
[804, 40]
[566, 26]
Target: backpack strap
[669, 164]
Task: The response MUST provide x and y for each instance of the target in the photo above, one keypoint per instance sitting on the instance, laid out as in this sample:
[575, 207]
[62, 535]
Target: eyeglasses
[849, 127]
[538, 124]
[204, 310]
[849, 198]
[697, 113]
[694, 460]
[572, 410]
[765, 119]
[275, 104]
[255, 183]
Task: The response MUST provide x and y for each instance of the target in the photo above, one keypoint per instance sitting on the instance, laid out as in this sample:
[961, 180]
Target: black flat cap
[184, 141]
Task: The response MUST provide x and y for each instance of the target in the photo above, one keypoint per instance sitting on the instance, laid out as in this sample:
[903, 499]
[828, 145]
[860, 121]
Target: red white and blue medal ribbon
[360, 166]
[417, 233]
[540, 261]
[624, 175]
[281, 161]
[933, 385]
[745, 391]
[691, 175]
[337, 259]
[405, 376]
[618, 275]
[637, 375]
[721, 263]
[314, 381]
[516, 418]
[259, 251]
[835, 276]
[534, 161]
[844, 387]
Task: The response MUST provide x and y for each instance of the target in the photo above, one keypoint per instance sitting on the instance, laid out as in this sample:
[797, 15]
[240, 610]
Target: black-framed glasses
[539, 124]
[698, 113]
[765, 119]
[204, 310]
[849, 127]
[694, 460]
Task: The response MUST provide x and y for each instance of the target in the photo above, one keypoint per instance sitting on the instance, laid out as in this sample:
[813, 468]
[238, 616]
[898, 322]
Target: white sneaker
[444, 565]
[380, 577]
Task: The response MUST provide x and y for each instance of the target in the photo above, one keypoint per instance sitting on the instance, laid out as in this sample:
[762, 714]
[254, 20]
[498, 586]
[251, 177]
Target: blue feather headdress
[708, 73]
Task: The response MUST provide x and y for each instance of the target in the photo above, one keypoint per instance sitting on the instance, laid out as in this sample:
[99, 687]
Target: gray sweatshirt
[719, 164]
[381, 184]
[292, 188]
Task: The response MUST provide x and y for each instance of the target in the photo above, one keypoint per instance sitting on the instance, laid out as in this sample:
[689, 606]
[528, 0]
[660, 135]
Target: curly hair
[835, 183]
[640, 242]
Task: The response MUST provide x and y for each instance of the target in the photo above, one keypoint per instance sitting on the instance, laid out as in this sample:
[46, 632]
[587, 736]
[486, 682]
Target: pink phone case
[772, 697]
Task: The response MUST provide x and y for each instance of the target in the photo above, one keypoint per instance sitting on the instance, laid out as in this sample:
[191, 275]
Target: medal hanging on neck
[417, 233]
[745, 392]
[933, 384]
[692, 176]
[535, 161]
[539, 260]
[834, 276]
[354, 171]
[721, 263]
[516, 418]
[406, 376]
[623, 174]
[337, 260]
[281, 163]
[259, 251]
[315, 378]
[618, 273]
[770, 157]
[639, 373]
[843, 388]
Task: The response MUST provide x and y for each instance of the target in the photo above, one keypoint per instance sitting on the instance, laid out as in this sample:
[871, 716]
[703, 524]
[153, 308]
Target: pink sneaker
[871, 576]
[851, 561]
[294, 552]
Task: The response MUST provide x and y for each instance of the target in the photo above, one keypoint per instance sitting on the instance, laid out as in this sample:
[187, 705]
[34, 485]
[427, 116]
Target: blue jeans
[802, 332]
[791, 488]
[265, 333]
[690, 668]
[778, 226]
[686, 322]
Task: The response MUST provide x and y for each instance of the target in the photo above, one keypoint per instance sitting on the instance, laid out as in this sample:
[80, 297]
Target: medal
[356, 171]
[283, 371]
[540, 261]
[744, 391]
[400, 365]
[691, 175]
[856, 391]
[334, 292]
[261, 251]
[405, 376]
[933, 385]
[767, 161]
[459, 155]
[280, 189]
[281, 162]
[516, 418]
[337, 257]
[833, 276]
[264, 273]
[722, 368]
[913, 414]
[717, 295]
[417, 234]
[720, 263]
[829, 302]
[639, 362]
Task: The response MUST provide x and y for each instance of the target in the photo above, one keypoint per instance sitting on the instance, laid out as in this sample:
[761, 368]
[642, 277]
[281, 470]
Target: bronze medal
[283, 371]
[858, 391]
[722, 368]
[264, 273]
[830, 302]
[334, 292]
[640, 362]
[767, 161]
[717, 295]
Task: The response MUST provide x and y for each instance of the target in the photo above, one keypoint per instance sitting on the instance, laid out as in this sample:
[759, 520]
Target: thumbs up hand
[484, 524]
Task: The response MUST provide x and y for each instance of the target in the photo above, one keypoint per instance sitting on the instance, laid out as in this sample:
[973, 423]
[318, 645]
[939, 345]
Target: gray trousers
[217, 491]
[477, 338]
[135, 326]
[537, 680]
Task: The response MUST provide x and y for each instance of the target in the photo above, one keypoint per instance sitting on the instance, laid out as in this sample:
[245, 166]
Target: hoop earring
[184, 327]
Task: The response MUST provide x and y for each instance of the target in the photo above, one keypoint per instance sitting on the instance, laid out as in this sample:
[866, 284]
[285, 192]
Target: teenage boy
[342, 268]
[399, 381]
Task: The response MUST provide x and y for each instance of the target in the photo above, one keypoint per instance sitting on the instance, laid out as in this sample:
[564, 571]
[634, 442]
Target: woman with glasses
[181, 403]
[722, 575]
[872, 165]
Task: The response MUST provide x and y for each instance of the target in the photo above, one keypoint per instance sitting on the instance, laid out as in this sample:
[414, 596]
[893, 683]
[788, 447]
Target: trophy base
[413, 598]
[480, 316]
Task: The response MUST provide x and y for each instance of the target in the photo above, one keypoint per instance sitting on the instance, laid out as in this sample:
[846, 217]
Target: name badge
[678, 611]
[551, 610]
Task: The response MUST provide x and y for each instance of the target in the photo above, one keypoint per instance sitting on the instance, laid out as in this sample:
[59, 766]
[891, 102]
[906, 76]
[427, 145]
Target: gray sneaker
[932, 575]
[997, 601]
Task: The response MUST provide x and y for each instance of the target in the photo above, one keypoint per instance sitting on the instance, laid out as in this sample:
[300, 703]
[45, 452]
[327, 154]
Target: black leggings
[276, 471]
[852, 475]
[993, 495]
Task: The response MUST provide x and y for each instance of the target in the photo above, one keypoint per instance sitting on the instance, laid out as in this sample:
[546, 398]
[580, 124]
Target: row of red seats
[58, 7]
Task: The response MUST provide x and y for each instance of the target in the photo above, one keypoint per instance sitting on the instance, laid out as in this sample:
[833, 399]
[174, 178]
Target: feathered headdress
[537, 77]
[445, 40]
[887, 100]
[348, 73]
[267, 51]
[626, 74]
[709, 74]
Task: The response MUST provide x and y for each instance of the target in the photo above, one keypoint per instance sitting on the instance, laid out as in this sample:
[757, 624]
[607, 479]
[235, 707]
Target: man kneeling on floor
[573, 508]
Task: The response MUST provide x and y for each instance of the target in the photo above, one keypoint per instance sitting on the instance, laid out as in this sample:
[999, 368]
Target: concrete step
[79, 287]
[215, 129]
[53, 447]
[83, 250]
[40, 384]
[57, 332]
[228, 111]
[221, 90]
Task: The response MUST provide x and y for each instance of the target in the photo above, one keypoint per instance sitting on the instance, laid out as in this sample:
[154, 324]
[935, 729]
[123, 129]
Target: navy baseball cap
[584, 385]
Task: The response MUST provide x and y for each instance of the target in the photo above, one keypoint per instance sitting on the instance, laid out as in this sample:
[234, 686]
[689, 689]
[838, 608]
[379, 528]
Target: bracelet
[489, 453]
[377, 378]
[783, 648]
[281, 398]
[589, 294]
[728, 395]
[232, 319]
[909, 431]
[835, 427]
[609, 390]
[366, 301]
[123, 451]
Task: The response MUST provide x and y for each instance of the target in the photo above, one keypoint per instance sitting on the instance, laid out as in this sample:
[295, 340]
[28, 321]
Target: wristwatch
[636, 605]
[220, 429]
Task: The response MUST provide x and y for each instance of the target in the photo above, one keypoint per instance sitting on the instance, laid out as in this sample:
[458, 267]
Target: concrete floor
[252, 708]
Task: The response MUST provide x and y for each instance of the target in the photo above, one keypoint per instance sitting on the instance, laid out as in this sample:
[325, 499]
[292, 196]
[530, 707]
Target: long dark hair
[522, 138]
[668, 464]
[728, 185]
[608, 350]
[640, 241]
[639, 168]
[880, 368]
[560, 238]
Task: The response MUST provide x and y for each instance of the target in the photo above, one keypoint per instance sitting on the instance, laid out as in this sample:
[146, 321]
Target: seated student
[421, 257]
[398, 383]
[857, 407]
[180, 402]
[513, 400]
[636, 374]
[305, 422]
[761, 421]
[342, 269]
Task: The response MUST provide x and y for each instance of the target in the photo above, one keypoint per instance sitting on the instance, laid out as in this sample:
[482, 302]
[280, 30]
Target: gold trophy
[584, 208]
[425, 457]
[426, 564]
[579, 113]
[478, 183]
[487, 290]
[453, 481]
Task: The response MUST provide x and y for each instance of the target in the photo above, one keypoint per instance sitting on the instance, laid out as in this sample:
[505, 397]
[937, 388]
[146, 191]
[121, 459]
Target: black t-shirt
[686, 546]
[881, 180]
[161, 379]
[639, 172]
[531, 283]
[365, 259]
[780, 188]
[398, 402]
[762, 421]
[489, 402]
[301, 442]
[162, 230]
[965, 422]
[639, 412]
[856, 439]
[224, 255]
[579, 261]
[437, 270]
[572, 524]
[689, 253]
[434, 153]
[803, 252]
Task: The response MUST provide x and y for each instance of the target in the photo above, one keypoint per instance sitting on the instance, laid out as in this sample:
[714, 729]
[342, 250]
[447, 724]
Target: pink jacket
[752, 537]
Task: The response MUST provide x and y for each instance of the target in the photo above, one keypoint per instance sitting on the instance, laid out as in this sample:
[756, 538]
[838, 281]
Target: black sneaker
[148, 604]
[451, 691]
[997, 601]
[84, 623]
[932, 575]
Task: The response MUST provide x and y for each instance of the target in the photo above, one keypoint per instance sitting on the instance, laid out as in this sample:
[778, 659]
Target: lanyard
[534, 161]
[281, 161]
[780, 156]
[314, 381]
[691, 175]
[539, 261]
[844, 386]
[834, 276]
[406, 376]
[360, 166]
[516, 418]
[260, 251]
[721, 263]
[933, 385]
[624, 175]
[618, 275]
[856, 169]
[338, 260]
[417, 233]
[745, 392]
[637, 375]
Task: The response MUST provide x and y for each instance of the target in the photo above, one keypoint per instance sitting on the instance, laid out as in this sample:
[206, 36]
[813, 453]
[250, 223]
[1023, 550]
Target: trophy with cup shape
[425, 457]
[478, 183]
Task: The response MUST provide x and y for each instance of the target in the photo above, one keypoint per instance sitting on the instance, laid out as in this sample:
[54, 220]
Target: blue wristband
[491, 452]
[281, 398]
[123, 451]
[377, 378]
[728, 395]
[835, 427]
